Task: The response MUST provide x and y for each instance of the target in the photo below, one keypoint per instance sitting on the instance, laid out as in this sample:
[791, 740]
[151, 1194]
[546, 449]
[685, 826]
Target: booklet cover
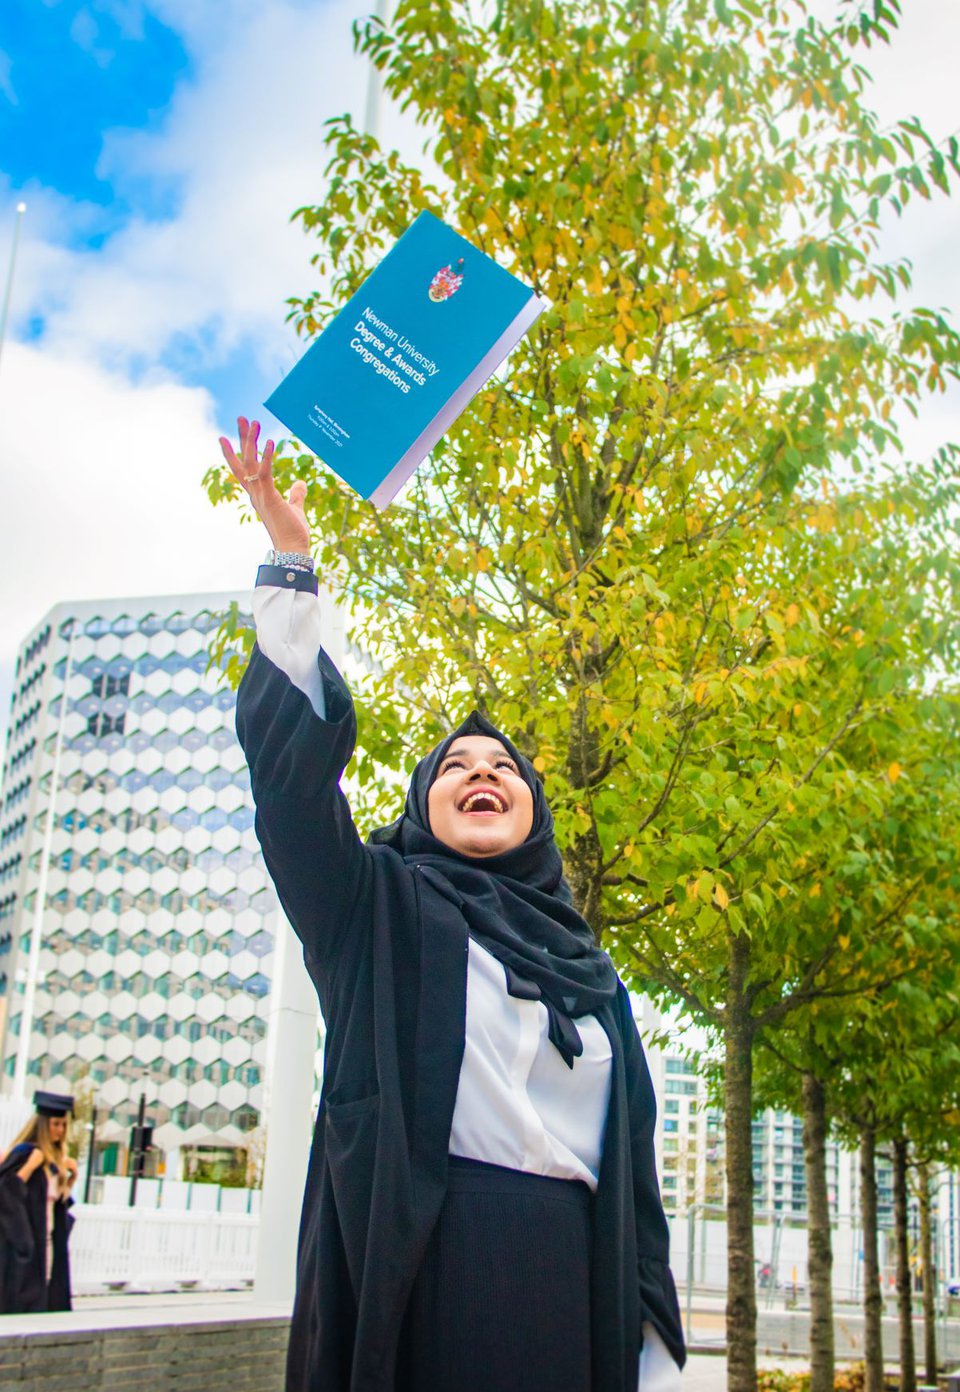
[398, 364]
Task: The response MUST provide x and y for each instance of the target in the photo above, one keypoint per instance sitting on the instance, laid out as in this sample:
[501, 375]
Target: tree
[894, 894]
[665, 549]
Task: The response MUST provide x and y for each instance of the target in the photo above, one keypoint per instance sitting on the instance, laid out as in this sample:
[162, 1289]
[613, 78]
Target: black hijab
[517, 905]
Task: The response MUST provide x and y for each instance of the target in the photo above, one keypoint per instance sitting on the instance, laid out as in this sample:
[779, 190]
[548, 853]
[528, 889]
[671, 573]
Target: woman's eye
[454, 763]
[507, 764]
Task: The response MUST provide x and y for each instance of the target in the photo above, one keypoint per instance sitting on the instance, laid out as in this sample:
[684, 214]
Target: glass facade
[136, 917]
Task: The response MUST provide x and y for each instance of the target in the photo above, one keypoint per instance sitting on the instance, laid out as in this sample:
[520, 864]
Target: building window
[100, 725]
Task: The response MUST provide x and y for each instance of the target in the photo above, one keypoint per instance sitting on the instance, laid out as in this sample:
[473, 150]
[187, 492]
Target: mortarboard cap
[52, 1104]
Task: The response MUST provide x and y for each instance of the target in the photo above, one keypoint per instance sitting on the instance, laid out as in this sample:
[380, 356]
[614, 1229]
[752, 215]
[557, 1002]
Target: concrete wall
[235, 1353]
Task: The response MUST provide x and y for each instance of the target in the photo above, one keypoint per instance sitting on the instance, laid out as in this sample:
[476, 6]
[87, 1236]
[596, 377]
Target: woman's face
[58, 1128]
[479, 804]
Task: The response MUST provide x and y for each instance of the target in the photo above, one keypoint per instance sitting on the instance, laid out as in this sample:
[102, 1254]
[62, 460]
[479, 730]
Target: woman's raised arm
[295, 721]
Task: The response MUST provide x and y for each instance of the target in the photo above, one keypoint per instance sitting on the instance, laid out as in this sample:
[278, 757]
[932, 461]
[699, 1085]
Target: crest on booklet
[446, 282]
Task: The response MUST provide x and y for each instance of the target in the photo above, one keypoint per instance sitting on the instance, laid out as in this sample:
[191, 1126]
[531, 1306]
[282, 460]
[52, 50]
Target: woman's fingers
[246, 468]
[230, 455]
[249, 434]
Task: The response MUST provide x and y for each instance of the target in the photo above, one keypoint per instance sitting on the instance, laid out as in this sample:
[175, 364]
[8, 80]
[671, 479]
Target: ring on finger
[250, 478]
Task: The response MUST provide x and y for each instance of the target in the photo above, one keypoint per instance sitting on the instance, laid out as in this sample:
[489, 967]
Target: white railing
[138, 1249]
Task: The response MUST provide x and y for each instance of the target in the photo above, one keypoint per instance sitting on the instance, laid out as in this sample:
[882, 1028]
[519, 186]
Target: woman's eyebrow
[494, 752]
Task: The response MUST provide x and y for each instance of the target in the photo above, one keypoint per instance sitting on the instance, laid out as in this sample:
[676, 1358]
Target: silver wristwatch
[291, 560]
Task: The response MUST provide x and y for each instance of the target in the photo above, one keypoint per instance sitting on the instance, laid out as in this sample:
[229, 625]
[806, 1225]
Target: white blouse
[518, 1104]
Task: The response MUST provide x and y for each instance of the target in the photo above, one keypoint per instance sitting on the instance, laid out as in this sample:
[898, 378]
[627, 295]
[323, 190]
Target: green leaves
[674, 547]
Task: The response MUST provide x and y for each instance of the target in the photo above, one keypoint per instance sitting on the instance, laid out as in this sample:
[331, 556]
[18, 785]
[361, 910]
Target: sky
[160, 147]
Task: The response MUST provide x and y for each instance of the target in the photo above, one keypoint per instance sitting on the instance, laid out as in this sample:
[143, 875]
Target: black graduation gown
[388, 956]
[24, 1288]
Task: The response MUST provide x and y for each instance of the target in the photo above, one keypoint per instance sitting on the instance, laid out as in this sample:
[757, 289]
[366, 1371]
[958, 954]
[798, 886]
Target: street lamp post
[21, 209]
[371, 120]
[91, 1154]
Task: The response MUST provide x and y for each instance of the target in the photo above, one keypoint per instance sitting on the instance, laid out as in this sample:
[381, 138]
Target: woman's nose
[484, 770]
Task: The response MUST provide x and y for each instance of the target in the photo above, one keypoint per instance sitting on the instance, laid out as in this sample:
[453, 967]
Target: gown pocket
[351, 1145]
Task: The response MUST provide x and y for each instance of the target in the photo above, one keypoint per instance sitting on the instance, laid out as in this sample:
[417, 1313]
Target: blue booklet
[398, 364]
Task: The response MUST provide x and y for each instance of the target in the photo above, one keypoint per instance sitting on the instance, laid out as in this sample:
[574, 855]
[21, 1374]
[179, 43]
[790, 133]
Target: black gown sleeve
[22, 1255]
[311, 847]
[658, 1294]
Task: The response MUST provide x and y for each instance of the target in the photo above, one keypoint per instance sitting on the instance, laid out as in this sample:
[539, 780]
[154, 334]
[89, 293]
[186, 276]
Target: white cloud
[102, 492]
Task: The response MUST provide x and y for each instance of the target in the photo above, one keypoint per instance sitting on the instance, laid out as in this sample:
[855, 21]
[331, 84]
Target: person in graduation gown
[482, 1211]
[36, 1179]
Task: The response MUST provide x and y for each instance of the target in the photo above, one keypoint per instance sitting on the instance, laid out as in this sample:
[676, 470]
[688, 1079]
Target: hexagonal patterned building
[136, 917]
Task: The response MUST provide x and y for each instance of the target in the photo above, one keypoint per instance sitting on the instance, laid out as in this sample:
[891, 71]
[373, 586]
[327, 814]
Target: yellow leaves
[815, 890]
[693, 888]
[595, 284]
[540, 763]
[792, 615]
[721, 896]
[894, 771]
[482, 558]
[622, 237]
[843, 942]
[620, 335]
[824, 519]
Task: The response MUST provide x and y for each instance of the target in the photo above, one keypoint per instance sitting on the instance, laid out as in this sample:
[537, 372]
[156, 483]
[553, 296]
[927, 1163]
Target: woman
[36, 1179]
[481, 1210]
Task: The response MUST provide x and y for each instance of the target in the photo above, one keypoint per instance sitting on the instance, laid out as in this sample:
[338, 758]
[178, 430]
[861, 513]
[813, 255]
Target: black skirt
[502, 1300]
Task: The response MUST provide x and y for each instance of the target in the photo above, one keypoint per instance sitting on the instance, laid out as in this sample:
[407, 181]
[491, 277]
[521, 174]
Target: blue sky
[74, 73]
[160, 146]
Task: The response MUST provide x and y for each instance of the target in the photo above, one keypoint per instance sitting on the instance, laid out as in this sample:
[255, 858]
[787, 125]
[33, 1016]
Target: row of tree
[676, 549]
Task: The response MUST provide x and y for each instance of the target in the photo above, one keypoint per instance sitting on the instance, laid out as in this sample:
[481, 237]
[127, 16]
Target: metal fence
[698, 1251]
[143, 1250]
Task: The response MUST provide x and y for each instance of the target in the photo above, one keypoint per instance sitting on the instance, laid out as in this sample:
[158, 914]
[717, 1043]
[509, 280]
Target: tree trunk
[738, 1102]
[872, 1296]
[908, 1357]
[820, 1251]
[929, 1277]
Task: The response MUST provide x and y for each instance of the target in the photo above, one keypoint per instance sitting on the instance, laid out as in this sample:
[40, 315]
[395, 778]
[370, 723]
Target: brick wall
[245, 1355]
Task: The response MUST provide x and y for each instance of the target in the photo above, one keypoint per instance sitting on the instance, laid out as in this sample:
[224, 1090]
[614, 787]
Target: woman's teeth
[482, 802]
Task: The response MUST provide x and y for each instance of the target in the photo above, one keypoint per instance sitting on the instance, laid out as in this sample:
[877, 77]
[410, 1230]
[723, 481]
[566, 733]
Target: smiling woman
[481, 1211]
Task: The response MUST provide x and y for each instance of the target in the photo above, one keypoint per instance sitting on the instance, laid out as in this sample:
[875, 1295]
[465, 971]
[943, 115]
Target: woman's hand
[72, 1169]
[283, 518]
